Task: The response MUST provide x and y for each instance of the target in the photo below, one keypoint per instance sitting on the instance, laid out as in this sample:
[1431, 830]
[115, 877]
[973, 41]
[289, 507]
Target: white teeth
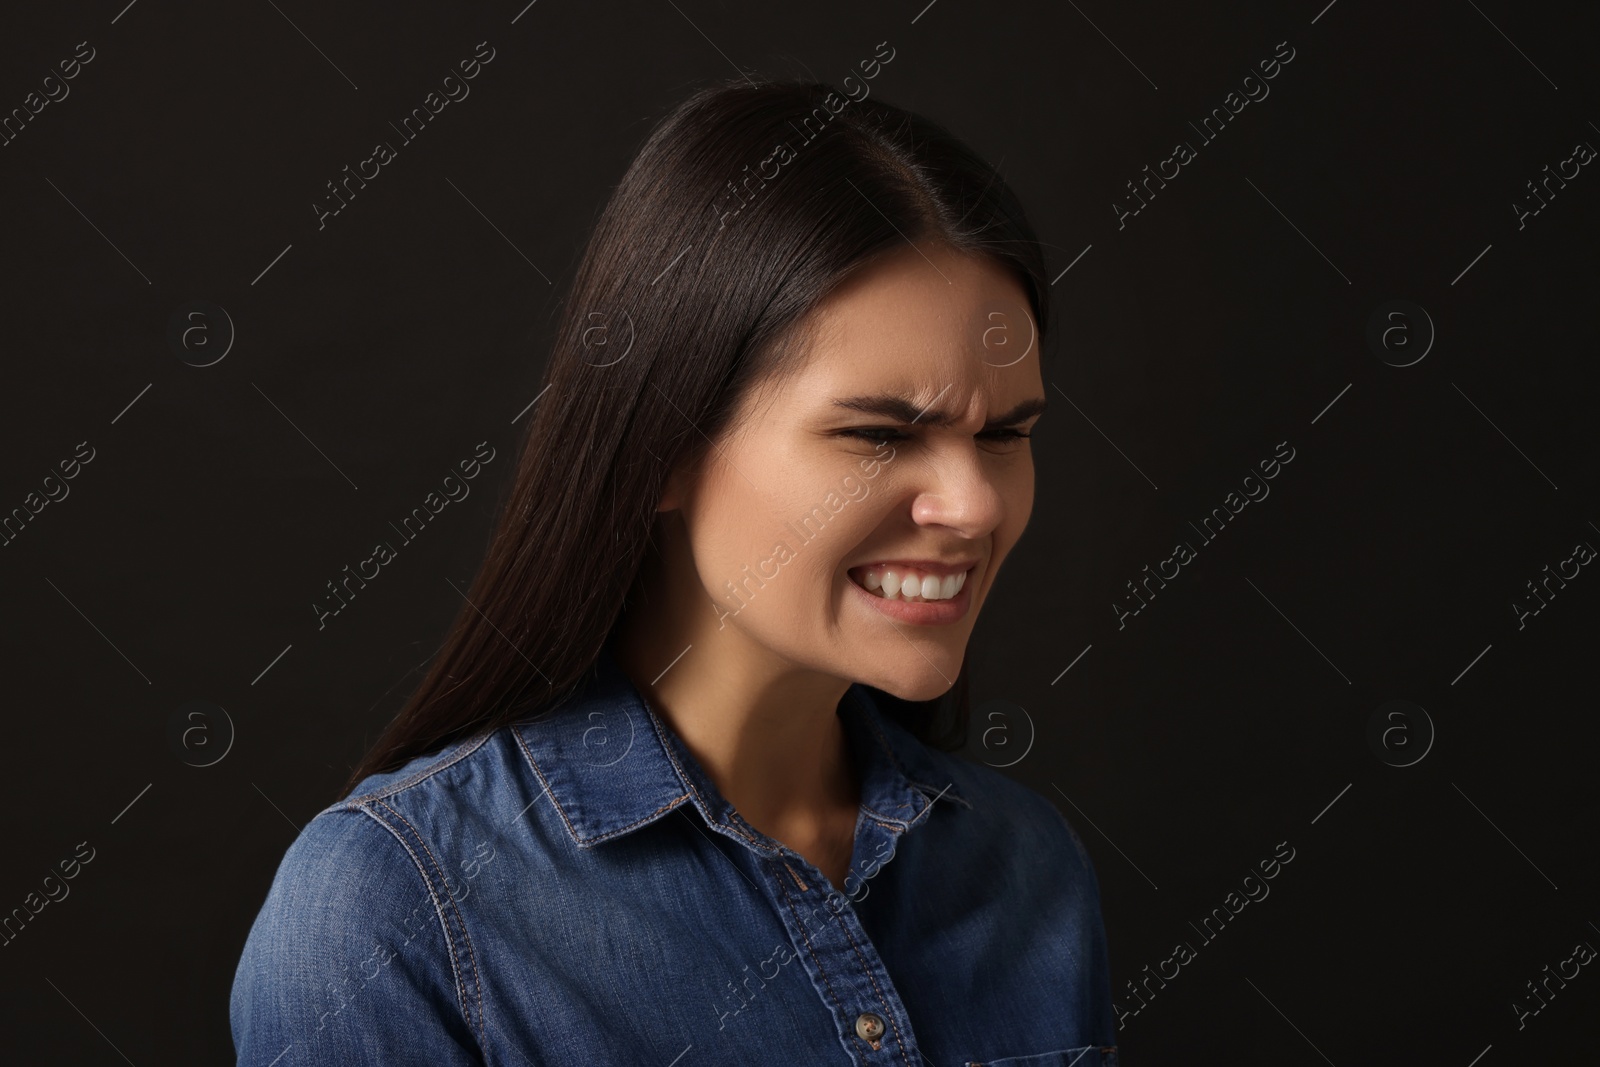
[902, 584]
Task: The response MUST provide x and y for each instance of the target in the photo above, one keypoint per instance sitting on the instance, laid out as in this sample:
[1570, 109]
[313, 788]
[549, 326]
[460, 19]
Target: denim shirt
[572, 889]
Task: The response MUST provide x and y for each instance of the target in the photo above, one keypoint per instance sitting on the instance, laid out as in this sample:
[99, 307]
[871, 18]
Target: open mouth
[914, 586]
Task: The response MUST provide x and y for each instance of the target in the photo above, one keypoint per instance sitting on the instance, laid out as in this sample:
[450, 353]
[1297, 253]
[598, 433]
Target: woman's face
[890, 457]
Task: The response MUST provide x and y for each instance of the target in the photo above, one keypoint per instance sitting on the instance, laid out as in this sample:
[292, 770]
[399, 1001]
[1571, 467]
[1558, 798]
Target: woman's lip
[926, 613]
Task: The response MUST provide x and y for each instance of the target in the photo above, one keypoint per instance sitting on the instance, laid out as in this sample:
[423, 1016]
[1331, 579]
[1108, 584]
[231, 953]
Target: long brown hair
[747, 204]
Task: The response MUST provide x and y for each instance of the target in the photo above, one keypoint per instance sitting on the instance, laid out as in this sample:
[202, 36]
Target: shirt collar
[612, 765]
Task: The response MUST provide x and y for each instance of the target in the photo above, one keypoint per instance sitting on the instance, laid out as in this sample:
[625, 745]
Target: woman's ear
[675, 491]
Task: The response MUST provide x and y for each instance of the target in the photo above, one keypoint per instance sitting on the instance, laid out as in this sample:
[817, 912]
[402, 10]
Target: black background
[1229, 315]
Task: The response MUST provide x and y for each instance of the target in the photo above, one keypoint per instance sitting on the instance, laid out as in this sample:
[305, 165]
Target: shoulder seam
[462, 995]
[465, 747]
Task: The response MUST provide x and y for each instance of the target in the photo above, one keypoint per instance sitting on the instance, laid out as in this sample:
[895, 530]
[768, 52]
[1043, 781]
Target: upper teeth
[901, 583]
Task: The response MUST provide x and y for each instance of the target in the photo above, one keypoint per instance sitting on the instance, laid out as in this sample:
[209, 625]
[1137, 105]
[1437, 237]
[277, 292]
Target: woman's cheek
[1027, 490]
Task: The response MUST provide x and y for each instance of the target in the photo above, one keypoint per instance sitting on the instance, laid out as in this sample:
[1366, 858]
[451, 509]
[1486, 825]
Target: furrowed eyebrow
[899, 409]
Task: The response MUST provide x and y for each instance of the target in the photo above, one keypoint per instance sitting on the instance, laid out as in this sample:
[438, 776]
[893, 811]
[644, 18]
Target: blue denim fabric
[571, 889]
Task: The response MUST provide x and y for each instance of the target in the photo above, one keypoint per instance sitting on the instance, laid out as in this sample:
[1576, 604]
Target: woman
[669, 793]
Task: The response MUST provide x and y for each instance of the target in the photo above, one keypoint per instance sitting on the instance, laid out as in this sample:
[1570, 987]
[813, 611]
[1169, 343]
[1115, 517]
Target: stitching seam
[789, 900]
[796, 877]
[573, 830]
[845, 926]
[461, 999]
[426, 772]
[466, 938]
[666, 747]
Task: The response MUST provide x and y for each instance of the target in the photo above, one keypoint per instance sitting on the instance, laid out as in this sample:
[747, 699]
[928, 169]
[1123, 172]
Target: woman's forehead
[916, 323]
[910, 312]
[936, 291]
[985, 353]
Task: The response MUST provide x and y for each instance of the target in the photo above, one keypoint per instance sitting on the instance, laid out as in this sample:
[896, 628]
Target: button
[869, 1027]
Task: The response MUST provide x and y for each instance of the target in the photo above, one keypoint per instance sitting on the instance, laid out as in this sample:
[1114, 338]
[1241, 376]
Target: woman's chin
[923, 685]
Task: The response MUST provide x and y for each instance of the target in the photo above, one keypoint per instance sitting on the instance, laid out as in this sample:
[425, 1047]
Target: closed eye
[872, 433]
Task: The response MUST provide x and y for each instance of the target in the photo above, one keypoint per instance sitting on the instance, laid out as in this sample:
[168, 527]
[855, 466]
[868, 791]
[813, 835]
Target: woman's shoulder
[357, 933]
[406, 828]
[419, 775]
[346, 943]
[473, 782]
[355, 850]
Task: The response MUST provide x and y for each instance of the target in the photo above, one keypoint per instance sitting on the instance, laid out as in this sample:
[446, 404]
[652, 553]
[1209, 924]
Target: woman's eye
[868, 433]
[884, 434]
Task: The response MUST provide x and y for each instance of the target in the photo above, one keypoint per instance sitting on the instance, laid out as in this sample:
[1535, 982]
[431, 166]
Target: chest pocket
[1088, 1056]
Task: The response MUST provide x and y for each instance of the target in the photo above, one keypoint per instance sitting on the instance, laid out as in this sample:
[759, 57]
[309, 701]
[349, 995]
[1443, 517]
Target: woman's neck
[767, 733]
[770, 739]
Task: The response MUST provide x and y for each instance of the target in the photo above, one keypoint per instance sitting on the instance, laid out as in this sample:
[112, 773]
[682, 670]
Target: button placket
[843, 963]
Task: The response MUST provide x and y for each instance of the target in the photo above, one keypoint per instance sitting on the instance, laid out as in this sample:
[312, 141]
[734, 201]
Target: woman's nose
[961, 491]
